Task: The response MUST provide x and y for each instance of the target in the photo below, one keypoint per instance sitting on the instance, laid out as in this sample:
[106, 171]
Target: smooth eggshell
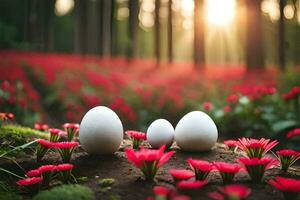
[160, 132]
[101, 131]
[196, 131]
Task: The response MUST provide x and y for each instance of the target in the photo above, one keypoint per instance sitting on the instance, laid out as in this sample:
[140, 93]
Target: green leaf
[11, 173]
[283, 125]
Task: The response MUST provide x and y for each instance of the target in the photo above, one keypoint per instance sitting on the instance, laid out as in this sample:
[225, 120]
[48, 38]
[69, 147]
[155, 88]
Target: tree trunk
[199, 28]
[80, 27]
[27, 21]
[93, 30]
[254, 43]
[133, 28]
[281, 36]
[170, 32]
[157, 31]
[47, 24]
[106, 28]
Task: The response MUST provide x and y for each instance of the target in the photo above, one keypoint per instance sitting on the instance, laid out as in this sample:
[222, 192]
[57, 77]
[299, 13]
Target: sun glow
[220, 12]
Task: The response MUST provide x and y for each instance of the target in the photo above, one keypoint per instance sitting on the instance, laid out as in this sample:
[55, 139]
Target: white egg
[160, 132]
[196, 131]
[101, 131]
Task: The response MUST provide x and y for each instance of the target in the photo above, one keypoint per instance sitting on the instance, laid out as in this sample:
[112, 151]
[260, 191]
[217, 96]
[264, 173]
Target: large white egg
[196, 131]
[160, 132]
[101, 131]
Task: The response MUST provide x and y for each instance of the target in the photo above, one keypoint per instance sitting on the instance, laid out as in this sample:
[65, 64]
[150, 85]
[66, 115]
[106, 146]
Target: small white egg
[101, 131]
[160, 132]
[196, 131]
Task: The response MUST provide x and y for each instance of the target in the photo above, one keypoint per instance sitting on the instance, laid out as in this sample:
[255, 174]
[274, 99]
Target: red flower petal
[182, 174]
[136, 135]
[227, 167]
[131, 155]
[165, 158]
[191, 184]
[33, 173]
[64, 167]
[65, 145]
[201, 165]
[30, 181]
[47, 168]
[45, 143]
[286, 184]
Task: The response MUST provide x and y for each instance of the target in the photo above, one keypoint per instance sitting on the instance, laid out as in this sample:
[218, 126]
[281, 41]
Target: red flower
[47, 172]
[181, 174]
[256, 148]
[64, 167]
[287, 158]
[233, 98]
[227, 109]
[190, 185]
[162, 191]
[53, 131]
[148, 160]
[65, 172]
[33, 173]
[227, 170]
[47, 168]
[41, 127]
[30, 181]
[256, 167]
[42, 148]
[137, 137]
[65, 145]
[45, 143]
[293, 133]
[292, 94]
[10, 116]
[286, 184]
[66, 149]
[62, 134]
[6, 116]
[54, 134]
[231, 144]
[201, 168]
[237, 192]
[71, 129]
[207, 106]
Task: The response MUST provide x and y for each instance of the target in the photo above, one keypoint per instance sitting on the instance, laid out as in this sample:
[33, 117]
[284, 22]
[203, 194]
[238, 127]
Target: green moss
[106, 182]
[9, 196]
[13, 136]
[66, 192]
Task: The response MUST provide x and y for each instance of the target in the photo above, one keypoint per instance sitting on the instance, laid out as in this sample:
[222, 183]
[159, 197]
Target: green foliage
[66, 192]
[9, 196]
[13, 135]
[8, 192]
[106, 182]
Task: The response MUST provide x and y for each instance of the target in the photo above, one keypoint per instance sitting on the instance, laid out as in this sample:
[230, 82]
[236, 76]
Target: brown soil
[130, 186]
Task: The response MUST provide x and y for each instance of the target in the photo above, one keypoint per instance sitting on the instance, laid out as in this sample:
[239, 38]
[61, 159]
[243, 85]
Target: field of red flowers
[47, 90]
[52, 88]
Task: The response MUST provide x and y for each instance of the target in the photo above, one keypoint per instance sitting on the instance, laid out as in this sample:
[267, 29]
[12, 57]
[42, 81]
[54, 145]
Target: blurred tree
[133, 28]
[199, 24]
[94, 27]
[281, 35]
[157, 31]
[46, 8]
[254, 47]
[107, 8]
[80, 27]
[170, 32]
